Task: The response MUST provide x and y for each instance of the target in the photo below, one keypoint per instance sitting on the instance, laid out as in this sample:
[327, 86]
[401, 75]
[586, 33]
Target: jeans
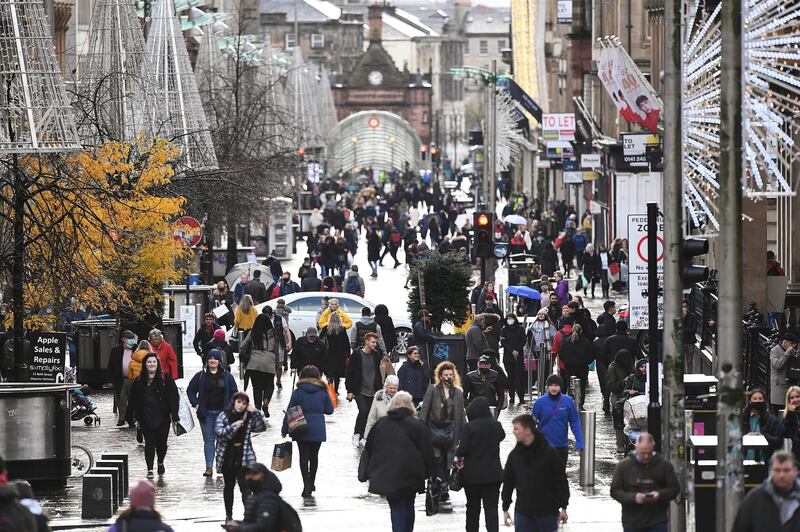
[540, 523]
[364, 403]
[402, 509]
[309, 461]
[374, 265]
[209, 436]
[489, 494]
[661, 527]
[155, 441]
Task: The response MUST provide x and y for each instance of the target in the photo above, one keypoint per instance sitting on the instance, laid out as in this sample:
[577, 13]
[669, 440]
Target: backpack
[288, 520]
[352, 286]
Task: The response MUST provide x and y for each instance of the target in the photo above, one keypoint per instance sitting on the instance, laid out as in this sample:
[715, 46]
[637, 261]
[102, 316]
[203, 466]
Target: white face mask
[510, 322]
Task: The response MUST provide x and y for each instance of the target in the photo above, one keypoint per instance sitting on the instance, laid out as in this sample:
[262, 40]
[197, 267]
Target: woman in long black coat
[373, 249]
[481, 473]
[386, 324]
[591, 268]
[153, 404]
[549, 259]
[512, 338]
[335, 335]
[576, 353]
[400, 459]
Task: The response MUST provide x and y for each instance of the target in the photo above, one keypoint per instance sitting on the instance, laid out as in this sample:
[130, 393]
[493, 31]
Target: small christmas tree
[446, 282]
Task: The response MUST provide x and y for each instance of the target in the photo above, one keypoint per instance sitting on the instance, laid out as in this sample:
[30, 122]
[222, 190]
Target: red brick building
[375, 83]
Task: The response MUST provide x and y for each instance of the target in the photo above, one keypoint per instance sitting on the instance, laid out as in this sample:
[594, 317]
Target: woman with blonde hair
[246, 315]
[443, 413]
[335, 334]
[790, 426]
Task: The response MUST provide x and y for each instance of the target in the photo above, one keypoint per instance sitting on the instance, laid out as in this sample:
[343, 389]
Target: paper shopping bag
[282, 456]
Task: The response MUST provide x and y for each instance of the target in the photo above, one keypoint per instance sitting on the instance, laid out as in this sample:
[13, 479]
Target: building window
[289, 41]
[484, 48]
[425, 117]
[466, 47]
[500, 45]
[317, 41]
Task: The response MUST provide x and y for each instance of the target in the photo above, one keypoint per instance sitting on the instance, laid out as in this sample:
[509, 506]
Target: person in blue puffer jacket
[555, 412]
[312, 396]
[413, 375]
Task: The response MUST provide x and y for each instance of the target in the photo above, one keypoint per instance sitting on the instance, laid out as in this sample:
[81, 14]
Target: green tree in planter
[447, 281]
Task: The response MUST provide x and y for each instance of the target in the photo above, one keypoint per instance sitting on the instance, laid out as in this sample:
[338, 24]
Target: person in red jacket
[564, 332]
[166, 355]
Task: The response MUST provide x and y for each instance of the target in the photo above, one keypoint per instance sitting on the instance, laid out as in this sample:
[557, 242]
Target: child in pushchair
[82, 407]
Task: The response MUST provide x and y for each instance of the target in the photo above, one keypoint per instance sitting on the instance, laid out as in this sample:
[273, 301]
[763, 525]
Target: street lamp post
[392, 140]
[489, 77]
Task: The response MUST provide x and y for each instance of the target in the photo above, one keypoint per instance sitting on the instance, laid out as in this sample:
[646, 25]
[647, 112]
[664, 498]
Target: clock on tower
[375, 78]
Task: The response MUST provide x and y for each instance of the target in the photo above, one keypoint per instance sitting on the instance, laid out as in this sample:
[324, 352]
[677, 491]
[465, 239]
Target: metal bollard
[575, 388]
[544, 370]
[588, 425]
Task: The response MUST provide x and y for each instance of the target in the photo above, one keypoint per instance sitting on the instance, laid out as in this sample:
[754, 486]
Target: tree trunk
[21, 373]
[232, 255]
[207, 261]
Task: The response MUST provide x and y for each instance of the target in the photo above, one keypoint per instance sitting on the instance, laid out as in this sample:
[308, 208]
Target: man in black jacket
[535, 470]
[362, 381]
[485, 382]
[619, 341]
[262, 509]
[775, 505]
[311, 283]
[205, 334]
[309, 351]
[644, 484]
[256, 289]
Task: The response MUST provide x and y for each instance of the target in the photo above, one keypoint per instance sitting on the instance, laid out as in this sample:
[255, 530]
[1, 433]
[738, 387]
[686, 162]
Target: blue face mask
[130, 342]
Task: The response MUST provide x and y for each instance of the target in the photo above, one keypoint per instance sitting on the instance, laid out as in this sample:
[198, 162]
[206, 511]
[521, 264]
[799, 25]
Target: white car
[305, 305]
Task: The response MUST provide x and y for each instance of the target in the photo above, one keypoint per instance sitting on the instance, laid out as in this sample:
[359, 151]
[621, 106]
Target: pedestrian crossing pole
[730, 392]
[673, 438]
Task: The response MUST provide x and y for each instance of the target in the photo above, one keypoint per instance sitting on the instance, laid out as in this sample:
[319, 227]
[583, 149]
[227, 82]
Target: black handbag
[442, 433]
[363, 466]
[433, 495]
[456, 475]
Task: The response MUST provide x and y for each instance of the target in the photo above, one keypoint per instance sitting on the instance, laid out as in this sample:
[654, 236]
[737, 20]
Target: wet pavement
[190, 501]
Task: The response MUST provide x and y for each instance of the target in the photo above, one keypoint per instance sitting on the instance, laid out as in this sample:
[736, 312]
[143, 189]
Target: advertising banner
[633, 96]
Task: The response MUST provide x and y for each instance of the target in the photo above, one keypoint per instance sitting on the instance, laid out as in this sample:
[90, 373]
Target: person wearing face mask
[234, 449]
[283, 286]
[513, 340]
[262, 510]
[153, 404]
[381, 401]
[757, 419]
[221, 297]
[443, 412]
[118, 363]
[208, 392]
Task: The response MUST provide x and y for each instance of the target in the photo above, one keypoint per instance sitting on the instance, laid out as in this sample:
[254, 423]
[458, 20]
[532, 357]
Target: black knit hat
[555, 379]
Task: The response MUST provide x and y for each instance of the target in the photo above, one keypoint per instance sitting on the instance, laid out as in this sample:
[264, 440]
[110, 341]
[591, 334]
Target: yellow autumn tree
[97, 226]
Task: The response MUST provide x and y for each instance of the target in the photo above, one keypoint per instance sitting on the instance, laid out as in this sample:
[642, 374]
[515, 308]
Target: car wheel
[403, 340]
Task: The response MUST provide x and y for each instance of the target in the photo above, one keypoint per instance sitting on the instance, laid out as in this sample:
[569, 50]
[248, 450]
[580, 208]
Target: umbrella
[248, 267]
[524, 291]
[515, 219]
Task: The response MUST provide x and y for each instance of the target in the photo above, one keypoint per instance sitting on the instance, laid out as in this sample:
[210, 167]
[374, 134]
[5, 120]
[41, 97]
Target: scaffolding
[178, 98]
[34, 109]
[117, 87]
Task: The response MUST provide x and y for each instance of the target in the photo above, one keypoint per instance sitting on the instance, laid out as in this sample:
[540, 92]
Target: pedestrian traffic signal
[691, 274]
[423, 152]
[484, 241]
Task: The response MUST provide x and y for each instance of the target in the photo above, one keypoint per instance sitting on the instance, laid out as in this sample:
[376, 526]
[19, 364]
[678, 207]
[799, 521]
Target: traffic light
[691, 274]
[483, 222]
[435, 155]
[423, 152]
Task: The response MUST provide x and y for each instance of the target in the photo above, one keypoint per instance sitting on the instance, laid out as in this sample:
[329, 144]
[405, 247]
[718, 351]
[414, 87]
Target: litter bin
[449, 347]
[702, 468]
[35, 428]
[95, 340]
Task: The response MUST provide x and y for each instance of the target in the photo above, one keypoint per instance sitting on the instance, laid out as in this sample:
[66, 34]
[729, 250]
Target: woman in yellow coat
[135, 366]
[246, 314]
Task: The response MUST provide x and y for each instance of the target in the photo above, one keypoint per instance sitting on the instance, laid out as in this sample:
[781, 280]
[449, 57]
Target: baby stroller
[634, 411]
[82, 406]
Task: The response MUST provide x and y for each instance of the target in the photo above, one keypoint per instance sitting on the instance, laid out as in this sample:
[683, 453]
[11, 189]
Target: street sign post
[638, 292]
